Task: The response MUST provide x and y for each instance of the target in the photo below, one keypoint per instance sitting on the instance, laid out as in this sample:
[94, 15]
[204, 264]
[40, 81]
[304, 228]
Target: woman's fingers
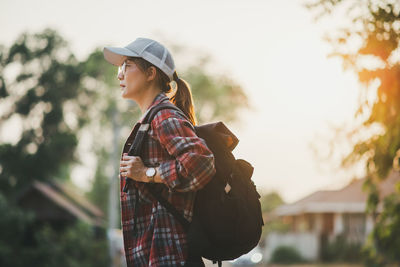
[128, 160]
[131, 166]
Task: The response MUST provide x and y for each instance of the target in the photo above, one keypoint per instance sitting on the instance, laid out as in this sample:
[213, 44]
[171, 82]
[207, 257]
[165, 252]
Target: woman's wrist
[156, 178]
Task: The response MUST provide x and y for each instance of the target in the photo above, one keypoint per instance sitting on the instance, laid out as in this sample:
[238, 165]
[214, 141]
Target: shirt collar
[158, 99]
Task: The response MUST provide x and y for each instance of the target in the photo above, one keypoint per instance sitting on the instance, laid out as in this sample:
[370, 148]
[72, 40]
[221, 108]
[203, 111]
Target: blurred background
[311, 89]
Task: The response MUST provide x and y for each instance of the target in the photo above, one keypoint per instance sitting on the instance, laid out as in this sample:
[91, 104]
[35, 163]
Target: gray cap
[148, 49]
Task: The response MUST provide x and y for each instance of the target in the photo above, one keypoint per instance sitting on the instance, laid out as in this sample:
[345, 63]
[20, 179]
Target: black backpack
[227, 218]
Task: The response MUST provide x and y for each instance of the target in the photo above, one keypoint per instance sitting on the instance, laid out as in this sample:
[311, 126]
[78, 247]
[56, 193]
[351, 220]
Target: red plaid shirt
[186, 165]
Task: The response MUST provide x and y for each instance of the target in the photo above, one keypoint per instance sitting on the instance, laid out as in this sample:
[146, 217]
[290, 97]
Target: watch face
[150, 172]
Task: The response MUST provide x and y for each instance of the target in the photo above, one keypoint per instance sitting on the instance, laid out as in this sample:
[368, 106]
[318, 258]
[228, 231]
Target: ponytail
[183, 98]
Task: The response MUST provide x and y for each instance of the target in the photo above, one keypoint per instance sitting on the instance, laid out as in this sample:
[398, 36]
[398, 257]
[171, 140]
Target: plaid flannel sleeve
[192, 166]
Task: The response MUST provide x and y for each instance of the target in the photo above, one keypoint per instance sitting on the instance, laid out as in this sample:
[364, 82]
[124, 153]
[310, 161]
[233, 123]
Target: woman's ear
[151, 73]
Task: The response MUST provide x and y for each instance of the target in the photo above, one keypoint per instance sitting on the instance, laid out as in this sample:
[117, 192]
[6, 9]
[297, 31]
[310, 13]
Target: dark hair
[183, 95]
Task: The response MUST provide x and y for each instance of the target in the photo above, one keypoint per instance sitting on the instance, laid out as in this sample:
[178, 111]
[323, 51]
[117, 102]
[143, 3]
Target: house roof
[64, 197]
[62, 201]
[72, 193]
[351, 198]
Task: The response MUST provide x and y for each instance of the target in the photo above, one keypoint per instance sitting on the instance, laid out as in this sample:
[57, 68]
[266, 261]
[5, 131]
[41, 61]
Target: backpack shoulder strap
[136, 148]
[163, 105]
[137, 144]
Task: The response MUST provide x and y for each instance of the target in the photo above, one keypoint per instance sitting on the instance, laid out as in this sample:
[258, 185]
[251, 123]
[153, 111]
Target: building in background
[319, 218]
[59, 205]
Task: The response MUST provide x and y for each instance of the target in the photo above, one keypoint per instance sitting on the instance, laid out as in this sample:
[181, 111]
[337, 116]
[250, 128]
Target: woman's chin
[123, 93]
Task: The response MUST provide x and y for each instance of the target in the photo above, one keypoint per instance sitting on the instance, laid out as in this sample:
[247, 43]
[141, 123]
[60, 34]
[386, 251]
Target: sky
[272, 48]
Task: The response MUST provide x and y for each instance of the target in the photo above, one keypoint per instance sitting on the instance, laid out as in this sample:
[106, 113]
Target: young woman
[173, 157]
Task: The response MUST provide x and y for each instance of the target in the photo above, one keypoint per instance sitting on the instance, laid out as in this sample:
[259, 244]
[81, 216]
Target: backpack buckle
[227, 188]
[144, 127]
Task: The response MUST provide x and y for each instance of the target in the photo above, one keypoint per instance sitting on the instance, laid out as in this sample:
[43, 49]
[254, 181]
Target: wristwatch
[150, 173]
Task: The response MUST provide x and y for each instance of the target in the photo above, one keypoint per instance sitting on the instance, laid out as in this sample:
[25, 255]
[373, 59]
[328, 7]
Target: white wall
[338, 224]
[307, 244]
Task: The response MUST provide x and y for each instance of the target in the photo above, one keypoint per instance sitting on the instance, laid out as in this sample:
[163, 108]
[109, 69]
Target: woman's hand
[133, 167]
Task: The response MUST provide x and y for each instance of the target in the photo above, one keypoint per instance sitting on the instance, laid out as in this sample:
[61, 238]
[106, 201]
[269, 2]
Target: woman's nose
[120, 75]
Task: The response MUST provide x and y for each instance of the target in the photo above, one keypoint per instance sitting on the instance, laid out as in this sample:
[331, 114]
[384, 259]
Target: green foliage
[286, 255]
[17, 224]
[75, 246]
[99, 194]
[28, 243]
[387, 230]
[41, 85]
[269, 202]
[215, 96]
[382, 246]
[340, 250]
[376, 25]
[109, 116]
[41, 79]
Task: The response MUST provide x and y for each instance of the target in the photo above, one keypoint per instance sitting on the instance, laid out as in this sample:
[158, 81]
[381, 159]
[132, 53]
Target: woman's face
[133, 81]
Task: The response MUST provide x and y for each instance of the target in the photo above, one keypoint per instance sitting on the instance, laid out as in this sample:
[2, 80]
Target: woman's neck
[145, 102]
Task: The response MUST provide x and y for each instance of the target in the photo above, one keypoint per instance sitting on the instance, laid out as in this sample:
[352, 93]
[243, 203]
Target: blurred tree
[375, 26]
[44, 105]
[286, 255]
[269, 202]
[26, 244]
[216, 97]
[107, 117]
[42, 95]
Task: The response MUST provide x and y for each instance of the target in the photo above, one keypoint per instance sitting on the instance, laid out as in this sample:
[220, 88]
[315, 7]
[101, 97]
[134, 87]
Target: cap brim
[116, 55]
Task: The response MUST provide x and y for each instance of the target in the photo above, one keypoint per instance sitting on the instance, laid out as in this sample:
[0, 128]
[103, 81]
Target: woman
[173, 157]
